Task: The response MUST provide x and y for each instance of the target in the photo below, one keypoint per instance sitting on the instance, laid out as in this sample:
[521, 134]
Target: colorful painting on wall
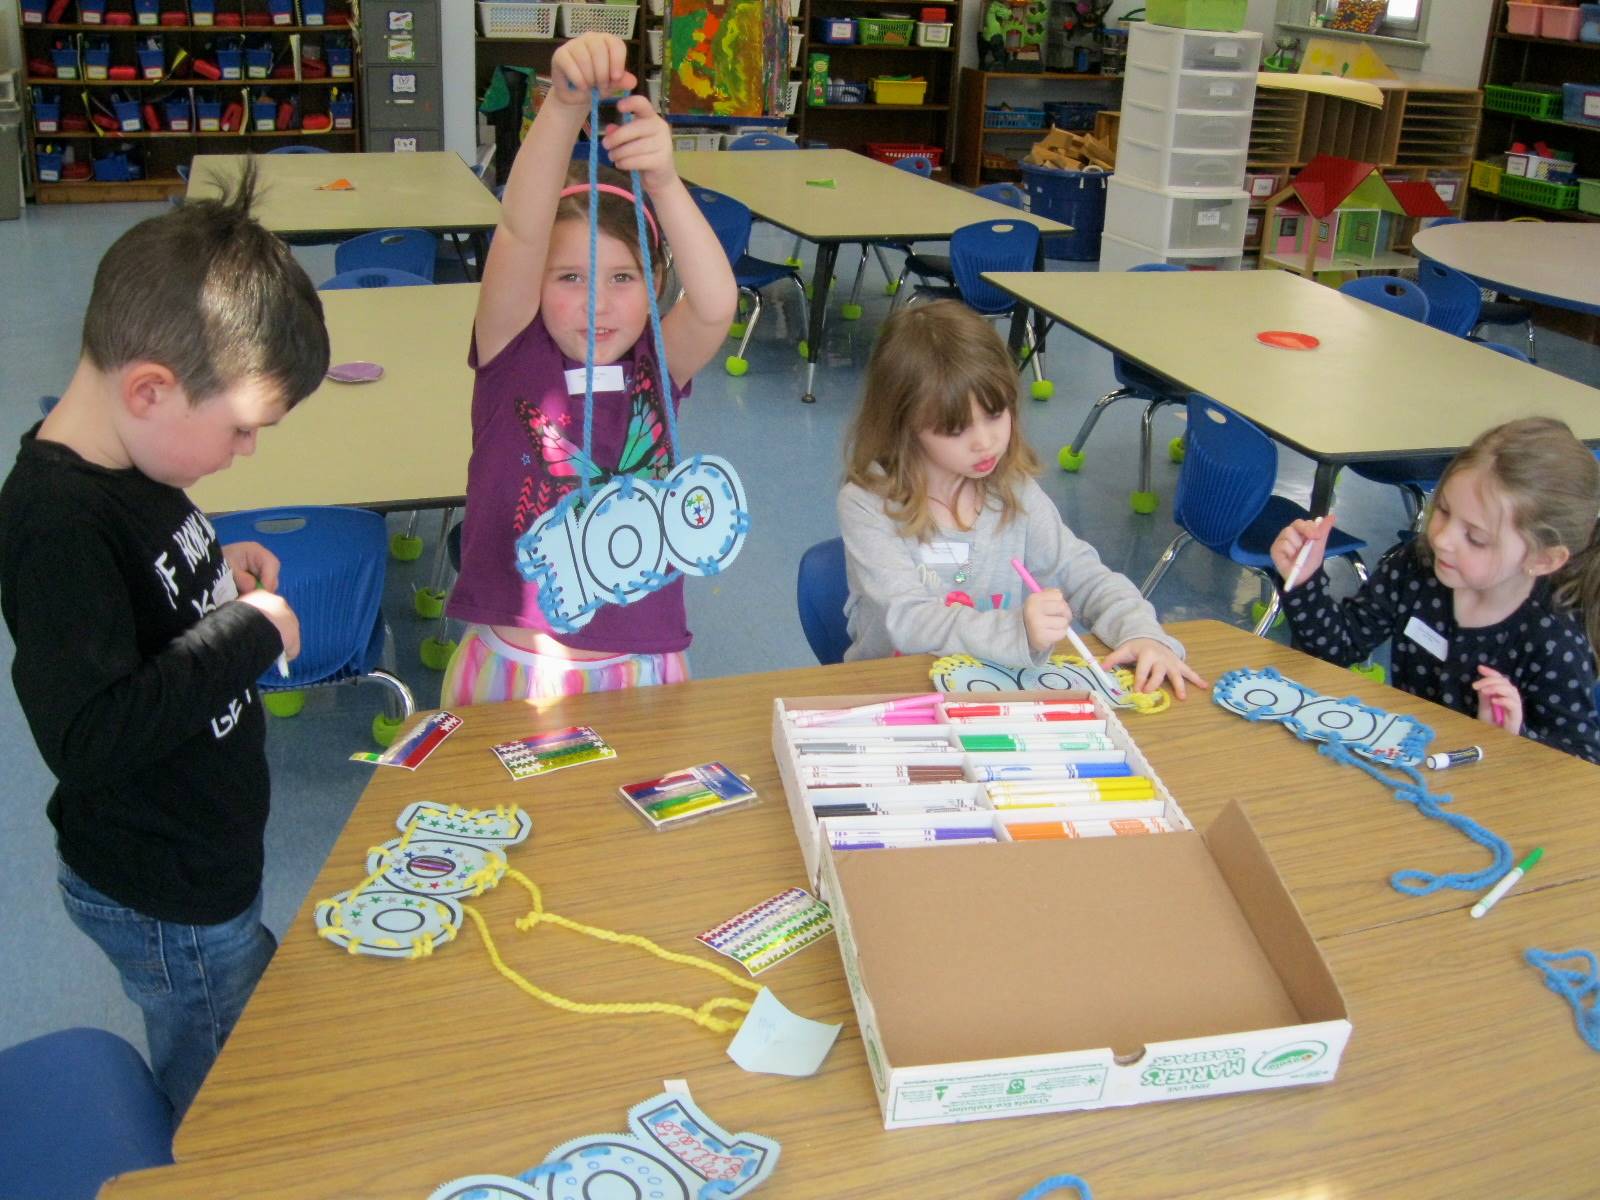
[726, 58]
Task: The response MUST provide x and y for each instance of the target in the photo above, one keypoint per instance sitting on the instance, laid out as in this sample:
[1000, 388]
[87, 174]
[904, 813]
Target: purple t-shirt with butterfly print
[527, 437]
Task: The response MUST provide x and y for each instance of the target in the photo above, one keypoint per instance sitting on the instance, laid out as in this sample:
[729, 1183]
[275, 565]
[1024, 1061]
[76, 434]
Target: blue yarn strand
[1056, 1183]
[1581, 989]
[586, 484]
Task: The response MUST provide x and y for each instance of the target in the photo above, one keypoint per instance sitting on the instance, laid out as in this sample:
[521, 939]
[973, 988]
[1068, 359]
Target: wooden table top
[355, 1077]
[401, 442]
[1378, 384]
[427, 190]
[869, 200]
[1553, 262]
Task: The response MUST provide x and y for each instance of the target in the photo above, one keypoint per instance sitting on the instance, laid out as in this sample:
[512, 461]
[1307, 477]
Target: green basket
[1589, 196]
[1527, 101]
[1225, 16]
[1541, 193]
[887, 31]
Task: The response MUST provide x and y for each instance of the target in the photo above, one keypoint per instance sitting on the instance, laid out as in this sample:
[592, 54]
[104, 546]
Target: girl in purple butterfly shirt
[528, 347]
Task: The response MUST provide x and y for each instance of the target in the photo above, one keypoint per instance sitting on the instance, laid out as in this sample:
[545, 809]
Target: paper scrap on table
[822, 183]
[338, 185]
[770, 932]
[774, 1041]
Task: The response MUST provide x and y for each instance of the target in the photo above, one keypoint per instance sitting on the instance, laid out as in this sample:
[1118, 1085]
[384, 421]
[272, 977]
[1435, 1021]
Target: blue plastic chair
[992, 246]
[332, 564]
[1392, 293]
[76, 1108]
[820, 593]
[1225, 501]
[1495, 310]
[297, 149]
[1136, 383]
[370, 277]
[730, 220]
[770, 141]
[935, 268]
[1454, 300]
[412, 250]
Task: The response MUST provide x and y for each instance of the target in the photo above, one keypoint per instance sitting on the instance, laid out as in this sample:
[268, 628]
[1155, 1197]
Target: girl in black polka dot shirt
[1495, 610]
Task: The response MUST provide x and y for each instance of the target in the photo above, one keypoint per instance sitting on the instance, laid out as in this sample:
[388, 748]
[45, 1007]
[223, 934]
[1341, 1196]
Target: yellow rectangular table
[1378, 385]
[831, 197]
[399, 443]
[353, 1077]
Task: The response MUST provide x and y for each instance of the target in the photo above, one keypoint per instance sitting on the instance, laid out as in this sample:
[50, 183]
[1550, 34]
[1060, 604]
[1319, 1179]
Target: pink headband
[580, 188]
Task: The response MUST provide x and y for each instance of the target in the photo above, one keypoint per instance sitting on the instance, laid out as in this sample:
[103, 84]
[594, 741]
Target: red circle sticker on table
[1288, 339]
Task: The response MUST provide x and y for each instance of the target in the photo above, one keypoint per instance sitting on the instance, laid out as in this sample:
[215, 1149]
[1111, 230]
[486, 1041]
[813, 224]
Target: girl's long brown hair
[1550, 482]
[929, 364]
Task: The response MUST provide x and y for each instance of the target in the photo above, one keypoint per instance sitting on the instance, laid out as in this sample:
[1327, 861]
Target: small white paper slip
[678, 1087]
[773, 1041]
[1429, 638]
[606, 379]
[941, 552]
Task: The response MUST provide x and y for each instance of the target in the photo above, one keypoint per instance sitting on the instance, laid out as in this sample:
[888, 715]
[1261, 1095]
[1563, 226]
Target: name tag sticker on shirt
[1428, 638]
[606, 379]
[945, 553]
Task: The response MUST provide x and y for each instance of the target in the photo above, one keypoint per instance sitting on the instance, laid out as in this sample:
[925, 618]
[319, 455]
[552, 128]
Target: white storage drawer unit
[1161, 166]
[1185, 130]
[1176, 220]
[1119, 254]
[1202, 91]
[1174, 49]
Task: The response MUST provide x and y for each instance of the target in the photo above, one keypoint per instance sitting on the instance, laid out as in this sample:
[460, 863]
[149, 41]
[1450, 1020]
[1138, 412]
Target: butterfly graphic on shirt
[645, 451]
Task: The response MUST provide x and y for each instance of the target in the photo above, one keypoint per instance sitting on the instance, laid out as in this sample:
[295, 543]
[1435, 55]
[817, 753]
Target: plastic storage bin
[1119, 254]
[1523, 99]
[1013, 118]
[203, 12]
[230, 61]
[339, 59]
[1263, 185]
[934, 33]
[1200, 91]
[1540, 193]
[1076, 198]
[33, 14]
[1580, 102]
[1175, 220]
[129, 119]
[92, 12]
[47, 116]
[1486, 176]
[893, 152]
[1162, 166]
[176, 111]
[96, 59]
[1589, 27]
[258, 62]
[1534, 166]
[1589, 196]
[313, 12]
[1226, 15]
[146, 12]
[1185, 130]
[343, 111]
[152, 62]
[886, 31]
[1558, 21]
[899, 91]
[1192, 49]
[509, 19]
[118, 166]
[1522, 18]
[1072, 114]
[835, 31]
[47, 165]
[281, 11]
[65, 61]
[615, 19]
[208, 115]
[263, 114]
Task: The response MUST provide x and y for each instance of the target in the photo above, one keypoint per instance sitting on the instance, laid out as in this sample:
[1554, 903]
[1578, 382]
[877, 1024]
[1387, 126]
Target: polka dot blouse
[1542, 649]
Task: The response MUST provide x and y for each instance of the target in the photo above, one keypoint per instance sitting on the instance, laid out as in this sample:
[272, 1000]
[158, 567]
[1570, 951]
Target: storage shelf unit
[1510, 59]
[852, 126]
[164, 151]
[1422, 132]
[976, 141]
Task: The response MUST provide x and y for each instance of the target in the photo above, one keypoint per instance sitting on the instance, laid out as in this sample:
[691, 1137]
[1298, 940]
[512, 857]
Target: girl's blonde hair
[1550, 483]
[929, 364]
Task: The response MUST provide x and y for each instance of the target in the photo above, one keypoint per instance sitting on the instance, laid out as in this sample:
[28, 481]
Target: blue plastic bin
[263, 115]
[1589, 31]
[203, 12]
[179, 118]
[47, 164]
[1580, 103]
[230, 61]
[147, 12]
[152, 62]
[339, 59]
[65, 61]
[257, 62]
[129, 117]
[118, 166]
[92, 12]
[47, 116]
[1071, 114]
[208, 115]
[343, 111]
[313, 12]
[1076, 198]
[33, 12]
[282, 11]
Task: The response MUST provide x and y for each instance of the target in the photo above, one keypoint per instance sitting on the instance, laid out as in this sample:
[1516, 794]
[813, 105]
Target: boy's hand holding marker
[255, 574]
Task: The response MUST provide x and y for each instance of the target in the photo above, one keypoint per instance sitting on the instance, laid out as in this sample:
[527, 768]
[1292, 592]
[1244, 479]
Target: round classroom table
[1551, 262]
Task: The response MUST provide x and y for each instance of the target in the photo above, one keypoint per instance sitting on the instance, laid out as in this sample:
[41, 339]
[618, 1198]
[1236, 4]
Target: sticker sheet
[541, 753]
[765, 935]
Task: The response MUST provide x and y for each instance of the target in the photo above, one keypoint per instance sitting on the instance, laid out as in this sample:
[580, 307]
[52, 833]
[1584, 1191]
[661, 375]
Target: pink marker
[1113, 689]
[919, 710]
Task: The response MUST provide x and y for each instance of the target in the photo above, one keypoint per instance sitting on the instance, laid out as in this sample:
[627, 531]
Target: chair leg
[1174, 547]
[398, 703]
[794, 255]
[1071, 457]
[1144, 499]
[429, 601]
[1274, 602]
[883, 264]
[1531, 354]
[737, 363]
[852, 307]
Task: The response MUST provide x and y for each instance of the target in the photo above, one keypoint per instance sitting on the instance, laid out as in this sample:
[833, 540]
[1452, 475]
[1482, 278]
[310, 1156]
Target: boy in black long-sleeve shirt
[138, 637]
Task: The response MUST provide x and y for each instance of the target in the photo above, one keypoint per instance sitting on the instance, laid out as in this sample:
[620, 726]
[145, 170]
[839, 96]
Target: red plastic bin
[891, 152]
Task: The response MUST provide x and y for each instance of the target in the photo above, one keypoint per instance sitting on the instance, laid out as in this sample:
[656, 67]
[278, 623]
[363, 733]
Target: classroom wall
[10, 38]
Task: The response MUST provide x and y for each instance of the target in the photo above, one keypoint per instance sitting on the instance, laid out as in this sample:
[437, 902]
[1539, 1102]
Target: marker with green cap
[1507, 882]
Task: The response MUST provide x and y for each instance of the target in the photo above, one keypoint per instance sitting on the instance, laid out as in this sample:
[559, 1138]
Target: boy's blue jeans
[191, 981]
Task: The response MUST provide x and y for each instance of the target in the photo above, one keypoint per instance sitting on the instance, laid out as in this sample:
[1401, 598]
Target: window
[1402, 18]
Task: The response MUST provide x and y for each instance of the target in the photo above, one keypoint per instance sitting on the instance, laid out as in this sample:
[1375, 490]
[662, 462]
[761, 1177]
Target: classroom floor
[788, 455]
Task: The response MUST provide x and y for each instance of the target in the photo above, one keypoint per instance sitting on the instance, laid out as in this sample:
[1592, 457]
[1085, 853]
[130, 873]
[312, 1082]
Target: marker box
[679, 797]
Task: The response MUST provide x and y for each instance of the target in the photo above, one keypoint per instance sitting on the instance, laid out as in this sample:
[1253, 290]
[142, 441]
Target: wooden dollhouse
[1339, 217]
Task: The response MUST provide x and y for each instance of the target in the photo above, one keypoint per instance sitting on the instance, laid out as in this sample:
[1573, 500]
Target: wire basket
[842, 91]
[517, 19]
[618, 19]
[1013, 118]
